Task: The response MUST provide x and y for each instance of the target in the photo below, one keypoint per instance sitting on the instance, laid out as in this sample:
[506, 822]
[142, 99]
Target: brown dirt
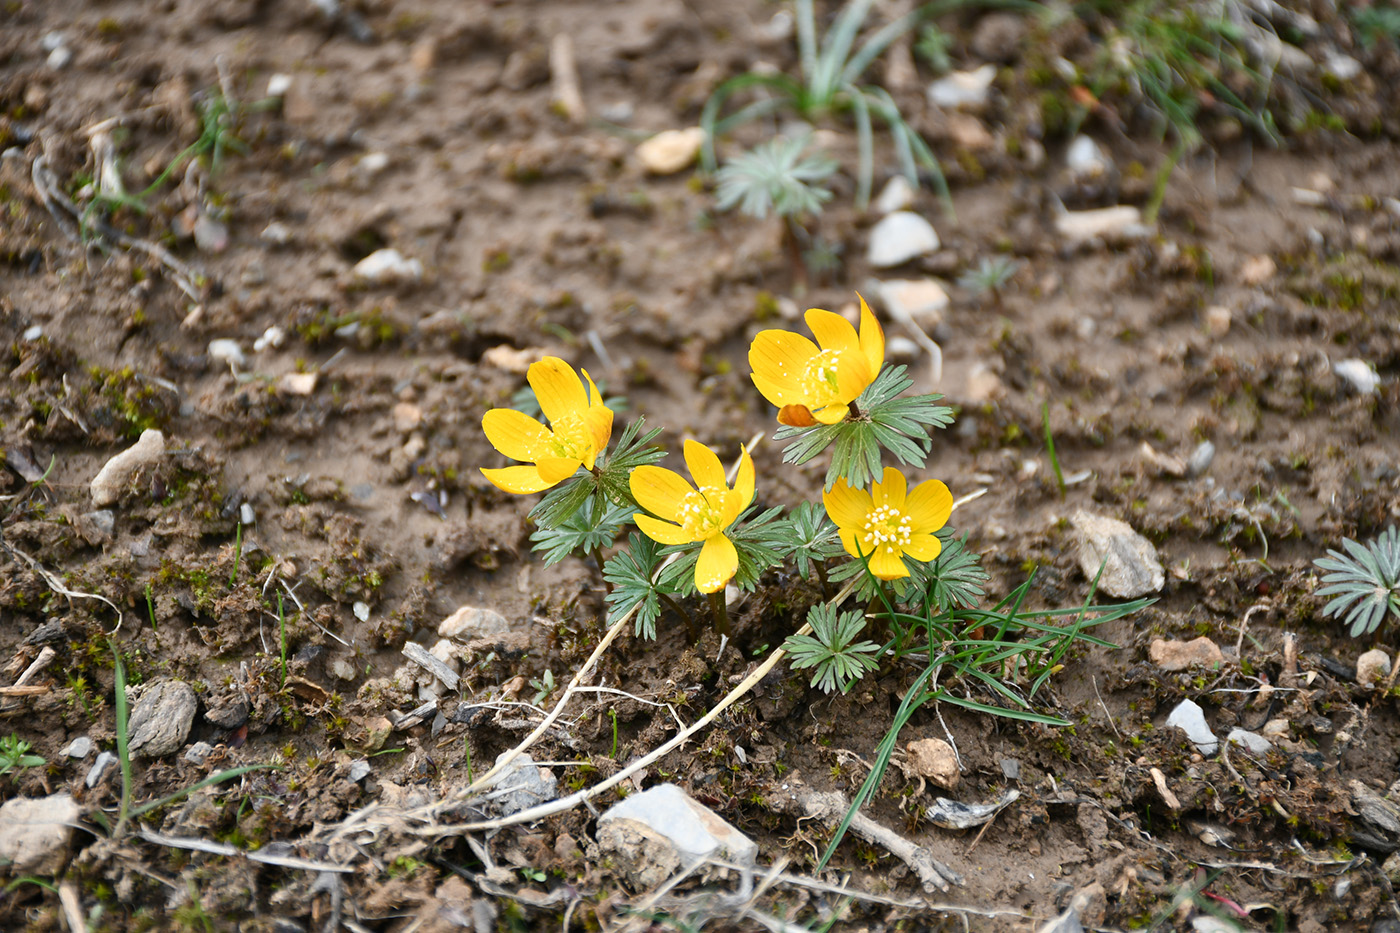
[543, 235]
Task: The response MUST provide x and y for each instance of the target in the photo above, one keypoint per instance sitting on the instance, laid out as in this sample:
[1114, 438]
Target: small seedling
[990, 276]
[1364, 582]
[14, 756]
[1050, 448]
[839, 660]
[543, 687]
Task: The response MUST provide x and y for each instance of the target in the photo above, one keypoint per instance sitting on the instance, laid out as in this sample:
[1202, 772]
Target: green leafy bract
[758, 540]
[899, 425]
[809, 537]
[633, 449]
[630, 572]
[831, 649]
[589, 529]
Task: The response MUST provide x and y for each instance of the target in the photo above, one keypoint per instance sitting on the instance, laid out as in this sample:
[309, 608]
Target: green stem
[720, 612]
[821, 575]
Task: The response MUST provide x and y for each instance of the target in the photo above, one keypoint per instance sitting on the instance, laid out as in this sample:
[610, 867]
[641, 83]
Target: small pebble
[1123, 222]
[161, 719]
[900, 237]
[199, 752]
[1256, 270]
[361, 611]
[1256, 743]
[246, 515]
[297, 383]
[1179, 656]
[1191, 719]
[1085, 160]
[1359, 373]
[388, 266]
[1200, 459]
[963, 90]
[278, 85]
[671, 151]
[1217, 320]
[934, 759]
[921, 300]
[104, 760]
[227, 351]
[276, 233]
[359, 770]
[107, 486]
[33, 333]
[470, 622]
[273, 337]
[80, 747]
[407, 416]
[1372, 668]
[897, 195]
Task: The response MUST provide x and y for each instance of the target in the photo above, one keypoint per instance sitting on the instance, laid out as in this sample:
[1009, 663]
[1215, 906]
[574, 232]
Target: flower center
[699, 518]
[819, 376]
[887, 526]
[572, 438]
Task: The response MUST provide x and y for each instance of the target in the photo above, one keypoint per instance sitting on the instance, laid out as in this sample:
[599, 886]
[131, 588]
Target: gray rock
[80, 747]
[359, 770]
[103, 762]
[161, 721]
[1372, 668]
[1130, 565]
[1191, 719]
[35, 832]
[1180, 655]
[97, 527]
[227, 711]
[645, 856]
[1120, 223]
[1253, 741]
[471, 622]
[199, 752]
[110, 482]
[1200, 459]
[696, 831]
[522, 785]
[210, 235]
[921, 300]
[900, 237]
[1010, 769]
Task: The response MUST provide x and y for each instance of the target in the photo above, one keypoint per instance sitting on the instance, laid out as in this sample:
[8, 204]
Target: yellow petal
[556, 469]
[886, 565]
[872, 338]
[744, 481]
[891, 491]
[517, 479]
[705, 468]
[516, 434]
[729, 508]
[780, 394]
[923, 546]
[660, 491]
[831, 414]
[798, 416]
[599, 417]
[929, 506]
[833, 332]
[778, 359]
[852, 376]
[847, 507]
[848, 541]
[661, 532]
[716, 565]
[558, 388]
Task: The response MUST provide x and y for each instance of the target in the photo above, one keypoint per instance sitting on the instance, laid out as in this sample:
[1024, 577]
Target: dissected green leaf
[630, 573]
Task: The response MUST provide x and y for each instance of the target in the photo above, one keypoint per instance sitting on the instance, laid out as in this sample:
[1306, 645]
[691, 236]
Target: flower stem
[855, 409]
[720, 613]
[821, 575]
[679, 610]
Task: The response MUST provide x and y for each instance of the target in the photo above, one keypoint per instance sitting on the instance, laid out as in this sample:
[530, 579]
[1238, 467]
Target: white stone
[921, 300]
[696, 831]
[1129, 562]
[59, 58]
[103, 762]
[896, 196]
[470, 622]
[277, 233]
[246, 515]
[1218, 319]
[1085, 160]
[671, 151]
[1256, 743]
[900, 237]
[387, 266]
[1123, 222]
[227, 351]
[361, 610]
[35, 832]
[1342, 67]
[1191, 719]
[1359, 373]
[297, 383]
[109, 483]
[33, 333]
[273, 337]
[1256, 270]
[372, 163]
[278, 85]
[963, 90]
[1372, 667]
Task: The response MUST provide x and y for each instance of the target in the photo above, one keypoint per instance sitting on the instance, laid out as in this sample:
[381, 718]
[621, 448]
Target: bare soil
[542, 235]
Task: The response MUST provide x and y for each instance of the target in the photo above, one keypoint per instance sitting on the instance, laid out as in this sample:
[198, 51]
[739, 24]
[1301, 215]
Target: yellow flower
[693, 515]
[581, 425]
[885, 524]
[813, 383]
